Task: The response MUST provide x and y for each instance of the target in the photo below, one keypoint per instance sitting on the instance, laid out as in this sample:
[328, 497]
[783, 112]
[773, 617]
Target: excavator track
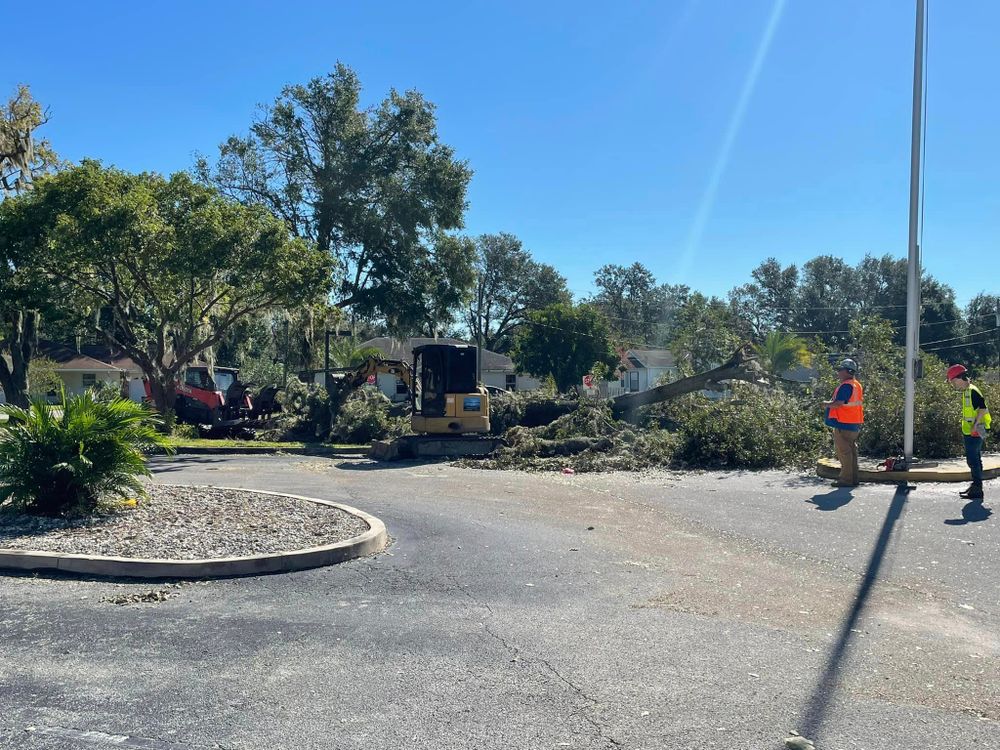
[434, 446]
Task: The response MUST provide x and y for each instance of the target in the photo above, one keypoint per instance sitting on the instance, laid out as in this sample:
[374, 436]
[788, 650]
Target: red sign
[588, 381]
[371, 379]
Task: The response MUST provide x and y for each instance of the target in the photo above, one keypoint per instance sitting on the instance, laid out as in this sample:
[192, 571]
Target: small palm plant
[54, 460]
[779, 352]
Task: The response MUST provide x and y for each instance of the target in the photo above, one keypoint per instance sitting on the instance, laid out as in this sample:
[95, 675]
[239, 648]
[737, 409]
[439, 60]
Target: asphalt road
[524, 611]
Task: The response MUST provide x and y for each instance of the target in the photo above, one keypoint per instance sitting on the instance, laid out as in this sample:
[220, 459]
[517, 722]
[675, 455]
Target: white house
[497, 369]
[641, 369]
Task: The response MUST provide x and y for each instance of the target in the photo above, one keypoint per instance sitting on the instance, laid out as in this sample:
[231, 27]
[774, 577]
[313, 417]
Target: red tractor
[219, 404]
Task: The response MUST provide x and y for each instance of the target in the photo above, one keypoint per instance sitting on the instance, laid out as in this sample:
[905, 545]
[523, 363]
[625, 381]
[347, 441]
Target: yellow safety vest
[969, 414]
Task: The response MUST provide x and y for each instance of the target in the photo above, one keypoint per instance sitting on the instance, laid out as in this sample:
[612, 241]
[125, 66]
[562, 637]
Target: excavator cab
[446, 397]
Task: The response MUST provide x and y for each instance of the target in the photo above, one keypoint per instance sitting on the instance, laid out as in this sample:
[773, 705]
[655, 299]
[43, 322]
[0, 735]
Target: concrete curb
[829, 468]
[372, 541]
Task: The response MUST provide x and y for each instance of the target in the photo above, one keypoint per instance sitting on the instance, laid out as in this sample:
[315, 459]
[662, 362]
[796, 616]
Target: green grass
[178, 442]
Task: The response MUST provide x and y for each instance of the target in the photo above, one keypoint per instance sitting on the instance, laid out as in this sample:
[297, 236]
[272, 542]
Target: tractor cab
[216, 398]
[446, 396]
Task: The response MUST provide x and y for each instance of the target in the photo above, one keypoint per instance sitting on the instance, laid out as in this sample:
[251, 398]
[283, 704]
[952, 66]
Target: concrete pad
[930, 470]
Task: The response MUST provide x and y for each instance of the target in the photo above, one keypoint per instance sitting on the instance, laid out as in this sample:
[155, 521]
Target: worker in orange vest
[845, 414]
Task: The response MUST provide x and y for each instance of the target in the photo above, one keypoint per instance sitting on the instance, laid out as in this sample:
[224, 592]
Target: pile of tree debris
[587, 434]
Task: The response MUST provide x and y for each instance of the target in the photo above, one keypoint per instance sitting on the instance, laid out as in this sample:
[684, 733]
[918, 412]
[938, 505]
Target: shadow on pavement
[838, 498]
[972, 512]
[819, 702]
[165, 464]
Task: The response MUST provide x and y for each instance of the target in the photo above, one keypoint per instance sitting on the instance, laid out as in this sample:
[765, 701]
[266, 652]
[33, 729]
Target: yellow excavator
[450, 408]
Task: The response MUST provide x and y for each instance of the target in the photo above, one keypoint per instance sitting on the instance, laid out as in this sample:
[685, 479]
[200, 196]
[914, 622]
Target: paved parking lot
[524, 611]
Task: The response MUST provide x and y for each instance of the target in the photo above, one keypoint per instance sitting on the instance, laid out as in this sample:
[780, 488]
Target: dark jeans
[974, 456]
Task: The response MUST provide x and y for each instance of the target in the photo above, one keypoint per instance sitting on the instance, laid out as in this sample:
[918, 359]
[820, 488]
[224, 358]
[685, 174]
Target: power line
[956, 338]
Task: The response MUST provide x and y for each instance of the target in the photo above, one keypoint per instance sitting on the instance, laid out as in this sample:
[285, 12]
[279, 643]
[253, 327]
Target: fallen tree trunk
[543, 448]
[742, 365]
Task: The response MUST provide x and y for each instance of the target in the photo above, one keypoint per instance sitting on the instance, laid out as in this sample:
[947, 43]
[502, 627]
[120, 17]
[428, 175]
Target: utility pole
[913, 267]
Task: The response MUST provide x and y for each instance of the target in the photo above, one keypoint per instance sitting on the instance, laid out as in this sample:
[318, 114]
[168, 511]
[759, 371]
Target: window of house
[401, 389]
[89, 380]
[510, 381]
[633, 381]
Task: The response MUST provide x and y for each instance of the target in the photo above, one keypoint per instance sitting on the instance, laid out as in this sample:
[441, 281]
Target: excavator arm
[373, 366]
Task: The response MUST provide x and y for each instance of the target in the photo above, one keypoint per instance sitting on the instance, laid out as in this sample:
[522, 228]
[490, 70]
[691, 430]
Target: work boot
[975, 492]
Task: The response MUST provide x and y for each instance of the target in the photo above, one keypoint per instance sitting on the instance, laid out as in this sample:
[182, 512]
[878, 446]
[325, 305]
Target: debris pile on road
[587, 438]
[752, 427]
[146, 597]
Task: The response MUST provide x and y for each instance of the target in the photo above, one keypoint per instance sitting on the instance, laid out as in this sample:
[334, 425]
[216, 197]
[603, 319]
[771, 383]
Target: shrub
[305, 413]
[65, 460]
[105, 390]
[364, 417]
[185, 431]
[756, 429]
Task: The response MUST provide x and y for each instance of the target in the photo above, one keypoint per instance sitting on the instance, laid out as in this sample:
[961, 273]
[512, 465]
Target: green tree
[438, 286]
[982, 347]
[171, 264]
[883, 283]
[707, 333]
[23, 157]
[639, 311]
[769, 302]
[43, 377]
[25, 295]
[829, 295]
[509, 285]
[563, 341]
[780, 352]
[373, 188]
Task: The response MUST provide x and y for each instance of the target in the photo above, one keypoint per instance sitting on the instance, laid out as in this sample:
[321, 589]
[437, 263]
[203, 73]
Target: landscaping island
[192, 532]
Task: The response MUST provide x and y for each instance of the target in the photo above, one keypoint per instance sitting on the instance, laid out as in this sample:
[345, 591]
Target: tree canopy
[563, 341]
[169, 263]
[509, 285]
[374, 188]
[639, 310]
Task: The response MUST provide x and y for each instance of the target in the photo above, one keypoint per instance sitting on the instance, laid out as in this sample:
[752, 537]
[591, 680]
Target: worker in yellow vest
[845, 414]
[975, 424]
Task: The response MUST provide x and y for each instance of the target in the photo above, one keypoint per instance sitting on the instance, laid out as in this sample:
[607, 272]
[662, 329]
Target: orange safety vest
[852, 412]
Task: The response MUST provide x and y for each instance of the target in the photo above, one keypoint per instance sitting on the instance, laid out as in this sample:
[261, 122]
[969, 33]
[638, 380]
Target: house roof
[104, 353]
[403, 349]
[67, 359]
[648, 358]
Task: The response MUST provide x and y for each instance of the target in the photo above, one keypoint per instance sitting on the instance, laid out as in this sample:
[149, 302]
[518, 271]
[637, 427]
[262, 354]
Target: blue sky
[696, 136]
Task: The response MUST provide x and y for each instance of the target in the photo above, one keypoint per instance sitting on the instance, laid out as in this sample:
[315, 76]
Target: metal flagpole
[913, 268]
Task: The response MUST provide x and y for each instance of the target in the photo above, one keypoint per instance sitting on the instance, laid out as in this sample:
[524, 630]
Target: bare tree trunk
[23, 343]
[163, 390]
[742, 365]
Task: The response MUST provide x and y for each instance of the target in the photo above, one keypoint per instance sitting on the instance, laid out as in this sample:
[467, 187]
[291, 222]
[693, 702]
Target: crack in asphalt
[515, 652]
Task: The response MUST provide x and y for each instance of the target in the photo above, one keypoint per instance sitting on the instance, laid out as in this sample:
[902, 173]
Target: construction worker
[845, 414]
[975, 423]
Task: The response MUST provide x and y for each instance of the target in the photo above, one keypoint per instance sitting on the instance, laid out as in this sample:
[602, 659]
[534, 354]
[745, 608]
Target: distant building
[641, 369]
[82, 368]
